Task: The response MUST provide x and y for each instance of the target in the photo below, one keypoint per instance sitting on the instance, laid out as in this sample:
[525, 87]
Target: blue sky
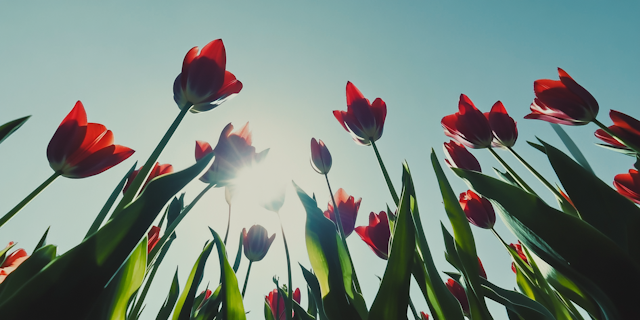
[294, 57]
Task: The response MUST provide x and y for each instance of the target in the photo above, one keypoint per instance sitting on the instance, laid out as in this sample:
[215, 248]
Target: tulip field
[198, 208]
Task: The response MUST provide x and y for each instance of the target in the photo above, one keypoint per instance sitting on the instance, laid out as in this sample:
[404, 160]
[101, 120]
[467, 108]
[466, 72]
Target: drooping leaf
[186, 301]
[232, 307]
[10, 127]
[516, 302]
[171, 299]
[571, 146]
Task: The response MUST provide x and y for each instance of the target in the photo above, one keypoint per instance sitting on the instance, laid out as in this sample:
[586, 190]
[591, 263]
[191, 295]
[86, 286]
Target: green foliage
[186, 301]
[10, 127]
[172, 298]
[232, 307]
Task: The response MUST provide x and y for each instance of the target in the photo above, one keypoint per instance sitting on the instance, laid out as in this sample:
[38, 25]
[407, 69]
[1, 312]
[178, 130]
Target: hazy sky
[120, 59]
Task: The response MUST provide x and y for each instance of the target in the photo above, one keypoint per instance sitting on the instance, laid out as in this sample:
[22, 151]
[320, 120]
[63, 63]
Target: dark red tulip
[625, 127]
[468, 126]
[158, 170]
[154, 237]
[505, 131]
[276, 303]
[348, 209]
[458, 291]
[79, 149]
[376, 235]
[256, 242]
[518, 248]
[481, 272]
[363, 120]
[232, 153]
[11, 261]
[478, 210]
[459, 157]
[562, 101]
[204, 83]
[424, 316]
[320, 157]
[628, 185]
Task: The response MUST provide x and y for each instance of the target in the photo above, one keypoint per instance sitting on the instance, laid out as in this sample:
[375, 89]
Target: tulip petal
[99, 161]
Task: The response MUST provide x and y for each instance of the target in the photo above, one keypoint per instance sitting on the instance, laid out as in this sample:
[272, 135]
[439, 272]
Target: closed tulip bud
[363, 120]
[481, 272]
[628, 185]
[459, 157]
[458, 291]
[505, 131]
[320, 157]
[256, 242]
[154, 237]
[478, 210]
[468, 126]
[424, 316]
[276, 303]
[518, 248]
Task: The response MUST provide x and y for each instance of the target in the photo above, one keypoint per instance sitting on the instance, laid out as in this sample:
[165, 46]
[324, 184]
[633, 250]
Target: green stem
[140, 300]
[246, 279]
[226, 234]
[413, 309]
[147, 166]
[342, 235]
[519, 180]
[26, 200]
[536, 173]
[289, 305]
[394, 195]
[611, 133]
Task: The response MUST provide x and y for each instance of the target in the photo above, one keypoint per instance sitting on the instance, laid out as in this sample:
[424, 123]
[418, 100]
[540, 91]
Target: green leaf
[392, 299]
[171, 299]
[451, 255]
[31, 266]
[185, 302]
[87, 268]
[232, 307]
[43, 240]
[209, 309]
[623, 150]
[537, 147]
[10, 127]
[570, 290]
[236, 264]
[572, 147]
[506, 177]
[565, 242]
[314, 287]
[268, 314]
[516, 302]
[333, 274]
[312, 308]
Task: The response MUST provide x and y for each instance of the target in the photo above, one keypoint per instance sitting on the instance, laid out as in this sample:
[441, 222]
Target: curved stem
[28, 199]
[536, 173]
[611, 133]
[413, 309]
[342, 235]
[246, 279]
[147, 166]
[519, 180]
[226, 234]
[394, 195]
[288, 306]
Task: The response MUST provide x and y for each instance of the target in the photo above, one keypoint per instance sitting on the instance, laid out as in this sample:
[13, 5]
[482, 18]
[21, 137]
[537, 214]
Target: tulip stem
[288, 306]
[136, 184]
[519, 180]
[394, 195]
[536, 173]
[246, 279]
[26, 200]
[343, 237]
[413, 309]
[611, 133]
[226, 234]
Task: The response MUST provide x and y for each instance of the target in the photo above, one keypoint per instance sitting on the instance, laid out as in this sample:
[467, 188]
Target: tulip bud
[478, 210]
[424, 316]
[628, 185]
[256, 242]
[276, 303]
[458, 291]
[505, 132]
[154, 237]
[481, 272]
[459, 157]
[320, 157]
[518, 248]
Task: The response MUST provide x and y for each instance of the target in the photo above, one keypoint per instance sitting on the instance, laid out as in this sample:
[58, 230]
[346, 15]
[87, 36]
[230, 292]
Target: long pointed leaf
[232, 307]
[10, 127]
[170, 301]
[572, 147]
[186, 301]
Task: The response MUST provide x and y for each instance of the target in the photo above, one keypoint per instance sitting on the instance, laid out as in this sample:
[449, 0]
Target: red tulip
[625, 127]
[478, 210]
[377, 234]
[424, 316]
[459, 157]
[11, 262]
[481, 272]
[256, 242]
[628, 185]
[207, 294]
[363, 120]
[518, 248]
[232, 153]
[320, 157]
[276, 303]
[562, 102]
[458, 291]
[505, 132]
[79, 149]
[468, 126]
[204, 83]
[154, 237]
[348, 209]
[158, 170]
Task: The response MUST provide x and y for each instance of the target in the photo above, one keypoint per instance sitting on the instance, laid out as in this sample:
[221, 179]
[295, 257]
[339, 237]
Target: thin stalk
[519, 180]
[536, 173]
[226, 234]
[611, 133]
[499, 237]
[26, 200]
[288, 306]
[146, 168]
[246, 279]
[413, 309]
[342, 235]
[394, 195]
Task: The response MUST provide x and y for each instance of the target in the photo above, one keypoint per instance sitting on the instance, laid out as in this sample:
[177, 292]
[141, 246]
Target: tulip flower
[459, 157]
[625, 127]
[158, 170]
[79, 149]
[424, 316]
[478, 210]
[363, 120]
[458, 291]
[505, 132]
[348, 209]
[154, 237]
[518, 248]
[562, 102]
[276, 303]
[481, 272]
[256, 242]
[11, 262]
[206, 294]
[468, 126]
[377, 234]
[232, 153]
[204, 83]
[320, 157]
[628, 185]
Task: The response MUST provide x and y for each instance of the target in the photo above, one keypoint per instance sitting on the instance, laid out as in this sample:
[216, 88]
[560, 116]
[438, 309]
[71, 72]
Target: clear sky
[120, 59]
